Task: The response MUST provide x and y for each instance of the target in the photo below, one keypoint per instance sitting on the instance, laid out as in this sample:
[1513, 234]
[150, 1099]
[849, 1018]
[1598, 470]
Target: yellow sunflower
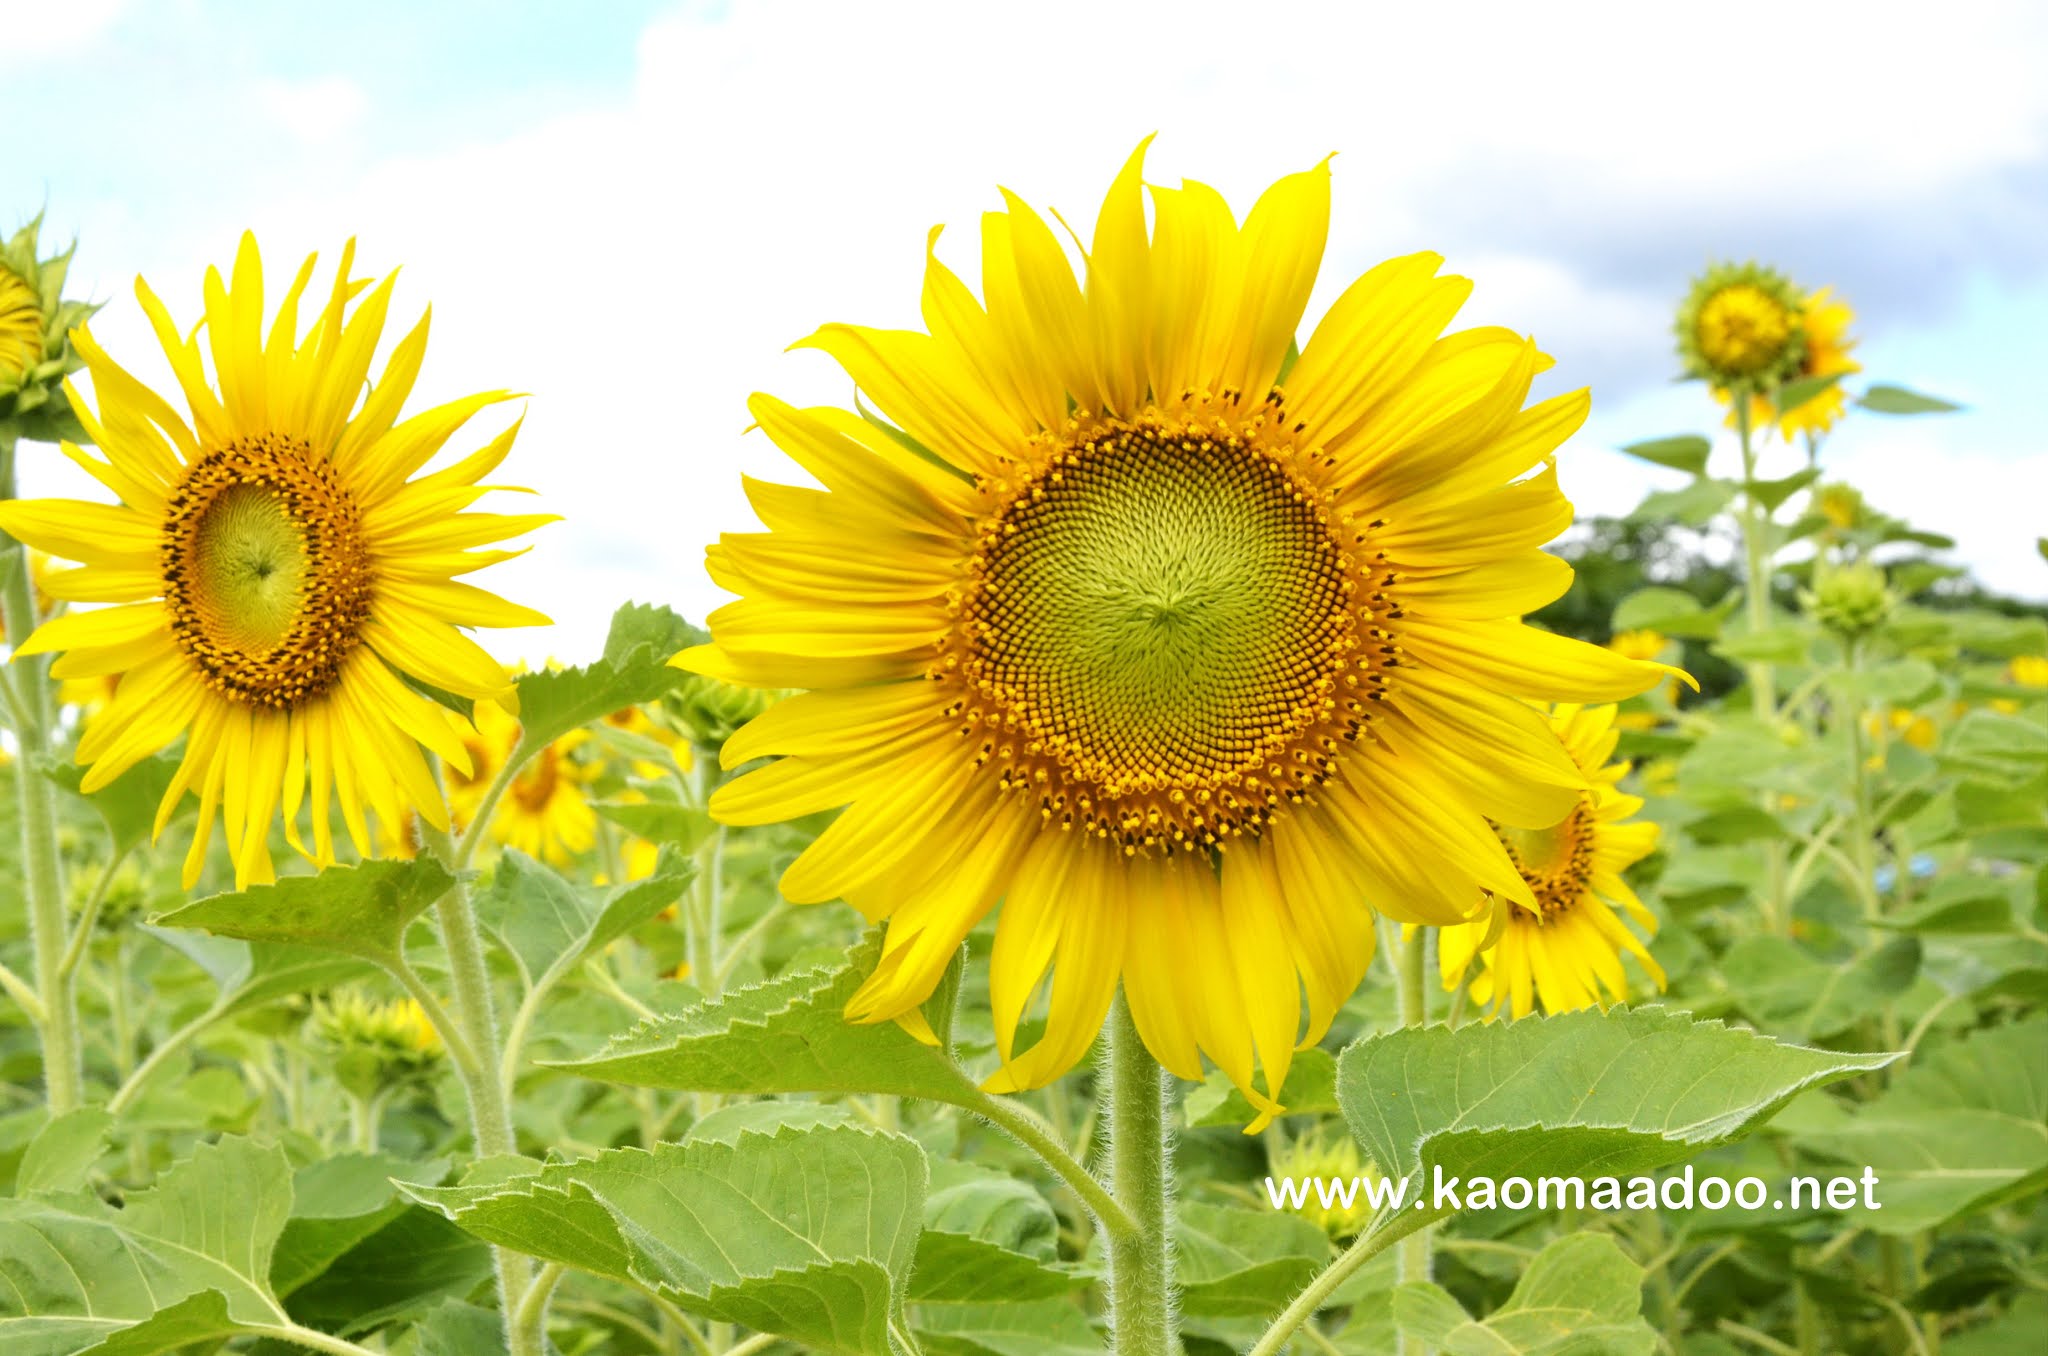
[1826, 319]
[544, 812]
[21, 327]
[276, 572]
[1742, 326]
[1564, 950]
[1189, 656]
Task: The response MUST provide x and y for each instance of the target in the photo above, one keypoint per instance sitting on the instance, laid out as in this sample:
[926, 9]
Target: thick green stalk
[1763, 679]
[63, 1070]
[490, 1111]
[1862, 828]
[1141, 1174]
[1412, 994]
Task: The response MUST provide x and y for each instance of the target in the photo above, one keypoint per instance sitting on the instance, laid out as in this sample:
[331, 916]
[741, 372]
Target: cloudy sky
[631, 215]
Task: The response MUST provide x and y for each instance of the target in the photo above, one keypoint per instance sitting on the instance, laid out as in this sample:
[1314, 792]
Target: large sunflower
[276, 572]
[1190, 659]
[1564, 951]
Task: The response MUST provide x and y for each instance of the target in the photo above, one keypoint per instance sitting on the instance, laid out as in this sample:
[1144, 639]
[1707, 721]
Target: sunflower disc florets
[1742, 327]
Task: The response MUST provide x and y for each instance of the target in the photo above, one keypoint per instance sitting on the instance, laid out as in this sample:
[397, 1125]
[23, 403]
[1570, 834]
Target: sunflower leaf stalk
[1142, 1307]
[1758, 576]
[55, 987]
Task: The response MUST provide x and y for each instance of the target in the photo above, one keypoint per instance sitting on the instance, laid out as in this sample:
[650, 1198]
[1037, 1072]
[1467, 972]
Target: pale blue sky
[629, 208]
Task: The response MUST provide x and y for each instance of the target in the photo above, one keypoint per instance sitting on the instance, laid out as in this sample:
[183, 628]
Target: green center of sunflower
[1159, 637]
[266, 576]
[1743, 329]
[1557, 862]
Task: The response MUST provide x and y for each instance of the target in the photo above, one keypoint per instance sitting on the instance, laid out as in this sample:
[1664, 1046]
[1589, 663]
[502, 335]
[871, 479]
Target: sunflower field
[1156, 856]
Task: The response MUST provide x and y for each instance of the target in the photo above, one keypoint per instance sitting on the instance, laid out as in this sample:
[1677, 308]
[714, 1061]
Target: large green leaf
[550, 925]
[357, 911]
[633, 669]
[788, 1034]
[1244, 1263]
[1695, 505]
[1037, 1328]
[1960, 1130]
[1783, 988]
[1581, 1094]
[1886, 399]
[128, 804]
[1581, 1296]
[962, 1269]
[808, 1233]
[1686, 452]
[186, 1260]
[249, 974]
[337, 1203]
[1309, 1090]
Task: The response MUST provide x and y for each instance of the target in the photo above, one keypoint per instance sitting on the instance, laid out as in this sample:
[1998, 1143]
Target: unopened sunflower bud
[1850, 599]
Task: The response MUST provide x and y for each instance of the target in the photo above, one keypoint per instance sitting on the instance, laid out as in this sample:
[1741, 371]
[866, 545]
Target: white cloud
[37, 29]
[315, 111]
[640, 266]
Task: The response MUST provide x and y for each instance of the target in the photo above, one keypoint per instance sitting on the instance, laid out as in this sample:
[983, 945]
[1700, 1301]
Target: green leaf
[250, 974]
[1793, 394]
[1671, 611]
[1244, 1263]
[1957, 907]
[1625, 1091]
[336, 1204]
[1772, 493]
[787, 1034]
[357, 911]
[1694, 505]
[658, 821]
[1686, 452]
[186, 1260]
[549, 926]
[416, 1261]
[1737, 824]
[961, 1269]
[58, 1158]
[1780, 986]
[128, 804]
[1039, 1328]
[1581, 1296]
[808, 1233]
[1885, 399]
[1771, 645]
[1995, 747]
[995, 1209]
[1310, 1089]
[634, 669]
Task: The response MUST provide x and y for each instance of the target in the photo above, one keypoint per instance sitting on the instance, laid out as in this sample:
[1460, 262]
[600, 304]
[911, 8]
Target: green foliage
[1579, 1297]
[633, 669]
[808, 1233]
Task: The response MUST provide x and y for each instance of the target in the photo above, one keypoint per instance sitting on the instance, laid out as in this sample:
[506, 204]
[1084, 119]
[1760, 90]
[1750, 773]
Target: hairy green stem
[1029, 1131]
[1141, 1171]
[1385, 1231]
[132, 1086]
[490, 1111]
[42, 877]
[1412, 994]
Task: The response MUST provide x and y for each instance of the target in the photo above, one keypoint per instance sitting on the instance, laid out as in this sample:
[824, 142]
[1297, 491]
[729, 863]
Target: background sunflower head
[1742, 328]
[36, 352]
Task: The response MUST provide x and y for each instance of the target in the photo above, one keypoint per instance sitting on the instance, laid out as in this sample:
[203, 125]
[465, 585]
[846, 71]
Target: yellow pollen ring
[1168, 631]
[267, 578]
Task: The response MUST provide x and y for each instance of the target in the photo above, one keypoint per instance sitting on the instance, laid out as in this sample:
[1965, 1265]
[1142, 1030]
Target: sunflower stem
[63, 1069]
[1141, 1171]
[1386, 1230]
[1763, 682]
[1411, 993]
[1863, 827]
[490, 1111]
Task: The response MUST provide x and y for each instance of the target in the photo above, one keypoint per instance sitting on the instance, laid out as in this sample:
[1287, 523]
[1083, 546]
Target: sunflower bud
[1850, 599]
[35, 341]
[1335, 1172]
[711, 710]
[376, 1047]
[1742, 328]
